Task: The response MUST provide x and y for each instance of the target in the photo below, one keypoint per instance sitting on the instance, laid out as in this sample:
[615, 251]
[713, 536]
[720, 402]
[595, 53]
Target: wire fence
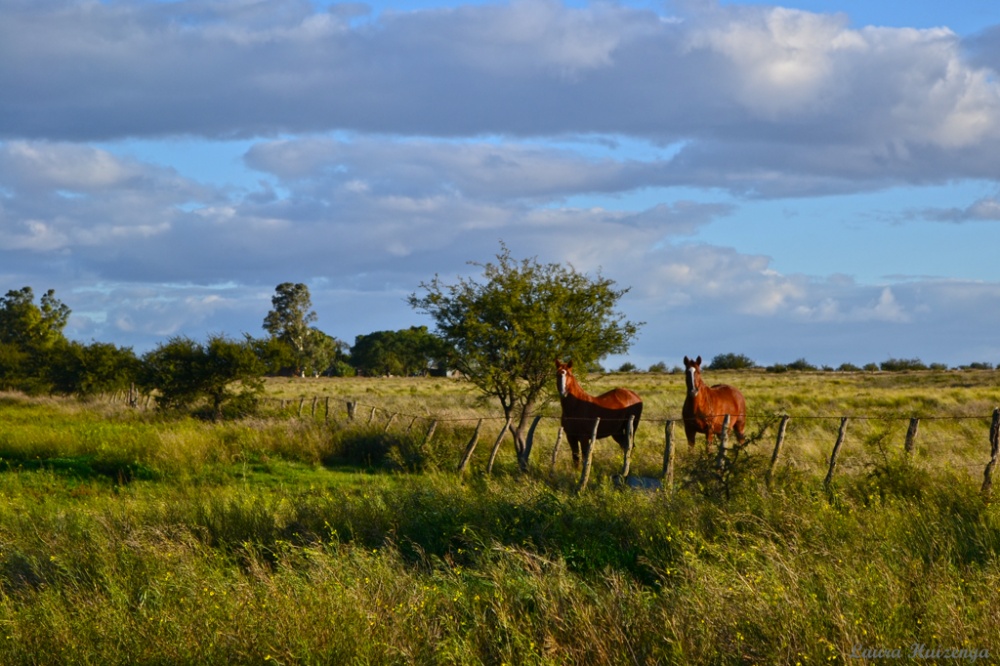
[803, 441]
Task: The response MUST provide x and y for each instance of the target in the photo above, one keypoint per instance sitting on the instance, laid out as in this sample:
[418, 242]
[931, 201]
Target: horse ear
[570, 364]
[697, 361]
[687, 361]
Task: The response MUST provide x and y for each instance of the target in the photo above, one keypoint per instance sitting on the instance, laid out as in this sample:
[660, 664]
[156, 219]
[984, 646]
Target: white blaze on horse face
[691, 385]
[561, 382]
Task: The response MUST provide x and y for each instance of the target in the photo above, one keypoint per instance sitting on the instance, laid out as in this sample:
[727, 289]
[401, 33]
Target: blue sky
[813, 179]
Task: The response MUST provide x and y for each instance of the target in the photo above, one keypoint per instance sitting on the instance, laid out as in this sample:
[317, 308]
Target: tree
[731, 362]
[289, 321]
[405, 352]
[99, 367]
[30, 338]
[184, 372]
[505, 332]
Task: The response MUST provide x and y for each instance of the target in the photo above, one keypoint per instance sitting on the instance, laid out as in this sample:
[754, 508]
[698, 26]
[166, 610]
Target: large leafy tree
[31, 336]
[185, 372]
[405, 352]
[505, 330]
[288, 323]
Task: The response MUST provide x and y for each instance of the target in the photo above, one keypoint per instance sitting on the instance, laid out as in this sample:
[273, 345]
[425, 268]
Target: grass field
[134, 537]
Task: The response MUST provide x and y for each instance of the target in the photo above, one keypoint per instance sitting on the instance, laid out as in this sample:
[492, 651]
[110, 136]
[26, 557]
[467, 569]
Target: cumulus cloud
[388, 147]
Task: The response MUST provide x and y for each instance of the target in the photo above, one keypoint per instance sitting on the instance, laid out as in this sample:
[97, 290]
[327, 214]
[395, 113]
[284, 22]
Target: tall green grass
[296, 541]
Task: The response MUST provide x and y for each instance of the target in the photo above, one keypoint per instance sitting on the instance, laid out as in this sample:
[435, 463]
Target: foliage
[731, 361]
[407, 352]
[89, 370]
[307, 349]
[901, 364]
[505, 332]
[30, 338]
[184, 372]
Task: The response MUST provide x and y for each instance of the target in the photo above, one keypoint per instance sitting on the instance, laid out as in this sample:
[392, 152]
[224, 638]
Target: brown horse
[579, 410]
[705, 408]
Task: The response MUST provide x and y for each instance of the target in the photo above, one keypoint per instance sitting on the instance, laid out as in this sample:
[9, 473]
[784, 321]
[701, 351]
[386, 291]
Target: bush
[731, 362]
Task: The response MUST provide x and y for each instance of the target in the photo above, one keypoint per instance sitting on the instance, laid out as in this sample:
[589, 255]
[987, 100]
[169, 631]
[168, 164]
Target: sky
[815, 179]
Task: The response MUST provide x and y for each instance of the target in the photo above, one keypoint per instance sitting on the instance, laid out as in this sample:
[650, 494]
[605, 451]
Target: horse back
[730, 399]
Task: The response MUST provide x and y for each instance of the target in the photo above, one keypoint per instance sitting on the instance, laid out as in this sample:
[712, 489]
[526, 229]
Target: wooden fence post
[470, 448]
[302, 402]
[430, 432]
[668, 455]
[994, 452]
[326, 411]
[351, 409]
[589, 457]
[313, 411]
[627, 455]
[555, 450]
[911, 436]
[720, 459]
[371, 417]
[836, 451]
[496, 446]
[777, 449]
[392, 418]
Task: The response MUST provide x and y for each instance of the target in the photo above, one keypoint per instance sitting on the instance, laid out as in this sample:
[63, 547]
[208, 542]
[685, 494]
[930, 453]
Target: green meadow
[299, 536]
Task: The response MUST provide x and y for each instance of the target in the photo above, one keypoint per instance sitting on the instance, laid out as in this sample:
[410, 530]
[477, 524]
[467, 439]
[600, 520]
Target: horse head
[564, 377]
[692, 375]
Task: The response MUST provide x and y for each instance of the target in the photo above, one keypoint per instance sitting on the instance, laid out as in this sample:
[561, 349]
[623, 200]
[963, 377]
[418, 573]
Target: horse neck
[573, 390]
[699, 385]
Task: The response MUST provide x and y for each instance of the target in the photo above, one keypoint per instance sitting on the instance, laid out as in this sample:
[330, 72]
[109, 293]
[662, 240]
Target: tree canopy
[406, 352]
[505, 330]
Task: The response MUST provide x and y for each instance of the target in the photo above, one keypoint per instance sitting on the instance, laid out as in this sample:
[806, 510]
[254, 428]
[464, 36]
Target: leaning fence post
[836, 451]
[430, 432]
[392, 418]
[555, 450]
[994, 452]
[720, 459]
[629, 438]
[470, 448]
[302, 402]
[589, 457]
[371, 417]
[777, 449]
[496, 446]
[351, 408]
[668, 455]
[911, 436]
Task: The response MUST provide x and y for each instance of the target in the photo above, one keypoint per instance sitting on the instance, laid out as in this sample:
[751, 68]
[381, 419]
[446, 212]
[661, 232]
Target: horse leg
[738, 429]
[708, 440]
[690, 431]
[574, 446]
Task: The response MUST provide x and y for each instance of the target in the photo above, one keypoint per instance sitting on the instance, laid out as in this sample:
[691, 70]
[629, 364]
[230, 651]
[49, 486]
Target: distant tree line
[221, 374]
[731, 361]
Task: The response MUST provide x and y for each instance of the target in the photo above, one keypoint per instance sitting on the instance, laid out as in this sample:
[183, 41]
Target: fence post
[668, 455]
[430, 432]
[496, 446]
[589, 457]
[351, 409]
[555, 450]
[326, 410]
[994, 452]
[777, 449]
[720, 459]
[392, 418]
[836, 451]
[371, 417]
[313, 411]
[911, 436]
[470, 448]
[302, 402]
[629, 437]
